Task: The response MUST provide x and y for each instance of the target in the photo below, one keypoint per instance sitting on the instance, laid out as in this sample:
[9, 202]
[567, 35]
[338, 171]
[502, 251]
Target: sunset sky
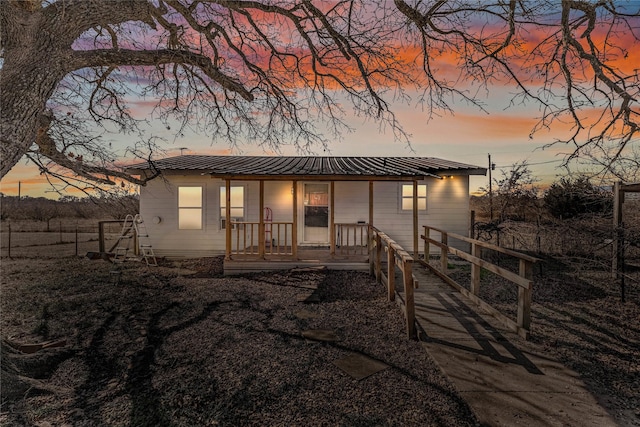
[468, 135]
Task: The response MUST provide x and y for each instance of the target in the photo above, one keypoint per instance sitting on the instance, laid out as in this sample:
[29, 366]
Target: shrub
[569, 198]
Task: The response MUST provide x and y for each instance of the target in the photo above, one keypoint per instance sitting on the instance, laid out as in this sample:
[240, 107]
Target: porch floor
[307, 257]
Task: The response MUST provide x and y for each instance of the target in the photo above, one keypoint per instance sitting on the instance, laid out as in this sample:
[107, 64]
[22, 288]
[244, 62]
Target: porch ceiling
[311, 167]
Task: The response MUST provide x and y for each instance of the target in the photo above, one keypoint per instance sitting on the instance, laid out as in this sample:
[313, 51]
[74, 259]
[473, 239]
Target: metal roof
[311, 166]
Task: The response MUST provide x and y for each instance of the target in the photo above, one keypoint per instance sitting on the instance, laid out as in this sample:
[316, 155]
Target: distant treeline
[43, 209]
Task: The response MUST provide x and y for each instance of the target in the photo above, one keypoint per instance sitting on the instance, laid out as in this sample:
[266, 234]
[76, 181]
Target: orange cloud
[26, 180]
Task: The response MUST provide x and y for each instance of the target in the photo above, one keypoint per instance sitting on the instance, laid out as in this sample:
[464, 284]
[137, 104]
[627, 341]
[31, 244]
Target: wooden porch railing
[350, 239]
[246, 240]
[396, 256]
[523, 279]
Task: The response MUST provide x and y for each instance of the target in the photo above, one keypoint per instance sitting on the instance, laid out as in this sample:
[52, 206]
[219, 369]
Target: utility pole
[19, 189]
[491, 167]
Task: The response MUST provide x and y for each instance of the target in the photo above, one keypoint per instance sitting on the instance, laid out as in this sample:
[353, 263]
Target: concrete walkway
[503, 384]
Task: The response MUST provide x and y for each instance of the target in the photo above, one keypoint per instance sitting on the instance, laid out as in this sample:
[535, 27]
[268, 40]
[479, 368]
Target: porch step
[233, 267]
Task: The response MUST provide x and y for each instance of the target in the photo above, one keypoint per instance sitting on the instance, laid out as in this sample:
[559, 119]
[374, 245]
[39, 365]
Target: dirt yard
[180, 345]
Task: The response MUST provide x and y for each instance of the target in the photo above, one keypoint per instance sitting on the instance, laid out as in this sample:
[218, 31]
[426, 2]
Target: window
[406, 199]
[237, 203]
[190, 208]
[316, 205]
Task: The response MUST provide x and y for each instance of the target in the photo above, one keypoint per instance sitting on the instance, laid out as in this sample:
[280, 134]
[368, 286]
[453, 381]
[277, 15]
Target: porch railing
[523, 279]
[246, 240]
[395, 256]
[350, 239]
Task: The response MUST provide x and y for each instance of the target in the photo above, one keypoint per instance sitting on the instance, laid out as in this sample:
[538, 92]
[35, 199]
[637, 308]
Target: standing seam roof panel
[311, 166]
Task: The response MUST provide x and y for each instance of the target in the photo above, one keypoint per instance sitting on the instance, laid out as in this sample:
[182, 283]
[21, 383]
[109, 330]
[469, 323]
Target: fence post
[60, 230]
[444, 261]
[378, 258]
[472, 225]
[391, 273]
[76, 239]
[407, 270]
[538, 240]
[620, 260]
[9, 241]
[475, 270]
[426, 243]
[101, 237]
[524, 296]
[371, 244]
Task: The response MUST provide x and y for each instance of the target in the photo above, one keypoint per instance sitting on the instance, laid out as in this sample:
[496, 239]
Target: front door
[316, 213]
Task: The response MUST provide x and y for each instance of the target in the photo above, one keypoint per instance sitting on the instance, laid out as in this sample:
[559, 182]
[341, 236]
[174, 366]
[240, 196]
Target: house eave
[439, 175]
[310, 168]
[322, 177]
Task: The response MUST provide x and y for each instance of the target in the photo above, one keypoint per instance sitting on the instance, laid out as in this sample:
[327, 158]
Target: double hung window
[406, 197]
[190, 208]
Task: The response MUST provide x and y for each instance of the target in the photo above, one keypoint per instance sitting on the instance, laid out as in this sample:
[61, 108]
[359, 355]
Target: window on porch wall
[406, 199]
[190, 208]
[237, 204]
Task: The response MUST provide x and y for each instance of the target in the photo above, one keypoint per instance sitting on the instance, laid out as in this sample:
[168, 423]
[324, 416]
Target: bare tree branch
[280, 72]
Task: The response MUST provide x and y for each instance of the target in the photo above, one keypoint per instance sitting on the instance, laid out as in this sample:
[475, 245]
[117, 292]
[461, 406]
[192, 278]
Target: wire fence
[587, 239]
[585, 245]
[53, 239]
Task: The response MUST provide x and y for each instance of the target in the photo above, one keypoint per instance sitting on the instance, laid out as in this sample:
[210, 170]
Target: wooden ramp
[504, 384]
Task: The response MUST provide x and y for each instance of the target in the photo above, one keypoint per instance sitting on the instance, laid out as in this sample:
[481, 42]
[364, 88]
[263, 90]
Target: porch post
[294, 231]
[371, 203]
[227, 228]
[261, 231]
[415, 219]
[332, 224]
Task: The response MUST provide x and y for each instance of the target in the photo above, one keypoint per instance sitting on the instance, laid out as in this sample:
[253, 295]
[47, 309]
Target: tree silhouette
[278, 72]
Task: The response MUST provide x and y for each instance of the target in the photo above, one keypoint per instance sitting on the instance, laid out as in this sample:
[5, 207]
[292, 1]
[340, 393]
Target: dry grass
[180, 345]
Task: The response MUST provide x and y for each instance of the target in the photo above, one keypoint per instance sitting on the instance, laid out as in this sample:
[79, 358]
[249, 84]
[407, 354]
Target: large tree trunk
[29, 76]
[37, 44]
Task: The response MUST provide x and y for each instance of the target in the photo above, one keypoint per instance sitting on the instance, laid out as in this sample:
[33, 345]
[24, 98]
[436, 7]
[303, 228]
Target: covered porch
[252, 246]
[251, 250]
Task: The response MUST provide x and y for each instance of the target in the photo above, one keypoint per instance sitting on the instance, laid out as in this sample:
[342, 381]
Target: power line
[534, 164]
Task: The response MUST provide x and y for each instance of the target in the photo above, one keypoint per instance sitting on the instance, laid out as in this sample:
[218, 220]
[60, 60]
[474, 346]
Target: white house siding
[447, 208]
[279, 198]
[351, 202]
[160, 199]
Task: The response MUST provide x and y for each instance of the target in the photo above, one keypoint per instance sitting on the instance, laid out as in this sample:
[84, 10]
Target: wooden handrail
[524, 277]
[396, 256]
[480, 243]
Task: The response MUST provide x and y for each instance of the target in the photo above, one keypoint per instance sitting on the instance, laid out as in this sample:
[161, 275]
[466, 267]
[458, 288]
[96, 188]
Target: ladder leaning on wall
[134, 229]
[144, 244]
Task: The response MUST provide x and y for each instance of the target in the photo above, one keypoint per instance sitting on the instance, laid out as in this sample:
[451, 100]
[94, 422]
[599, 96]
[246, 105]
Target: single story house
[260, 210]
